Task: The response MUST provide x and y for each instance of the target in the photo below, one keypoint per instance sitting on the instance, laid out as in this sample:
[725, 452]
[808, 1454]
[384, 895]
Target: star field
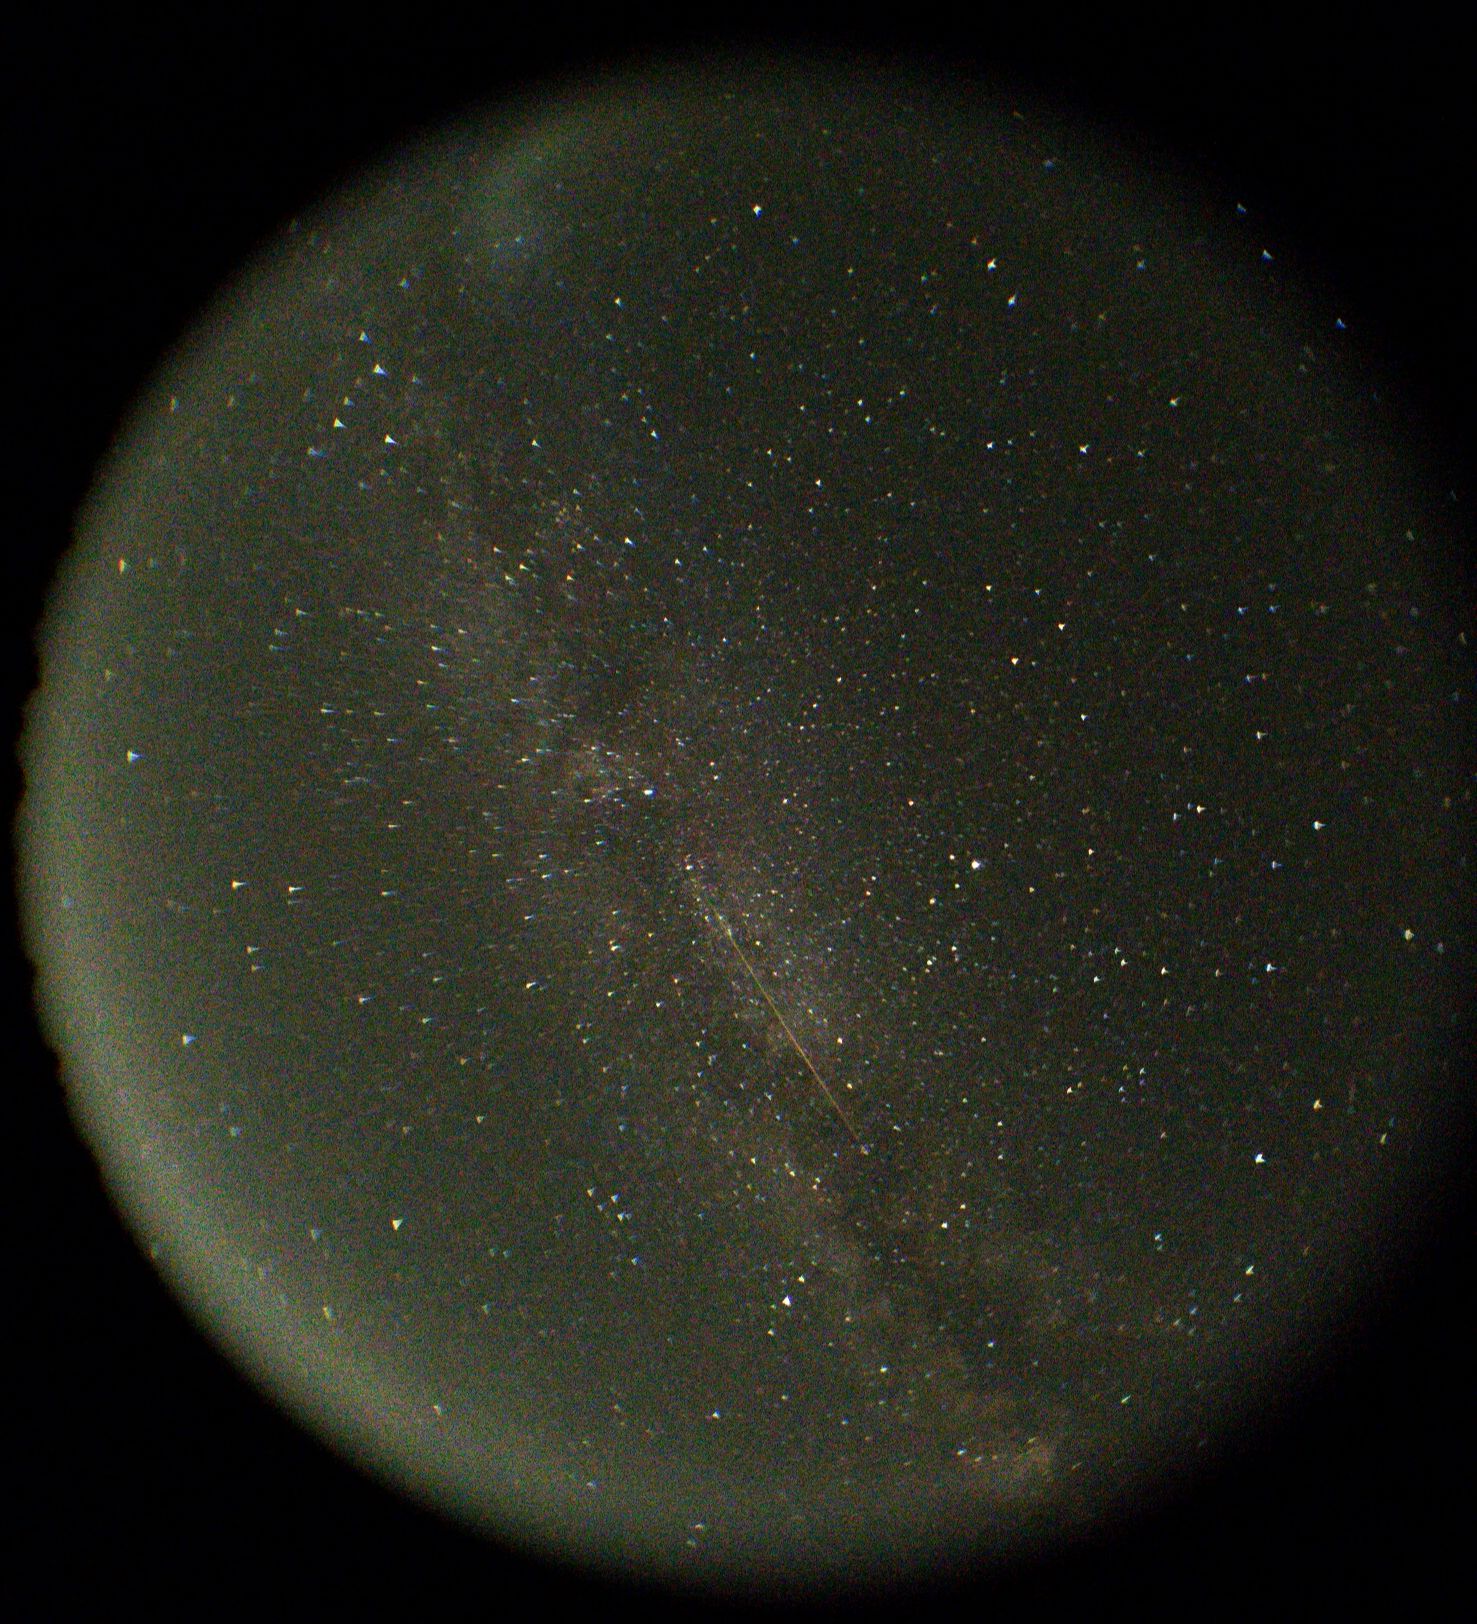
[768, 831]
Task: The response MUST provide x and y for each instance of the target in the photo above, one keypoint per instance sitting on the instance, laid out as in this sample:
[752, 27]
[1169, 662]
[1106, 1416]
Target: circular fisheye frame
[718, 829]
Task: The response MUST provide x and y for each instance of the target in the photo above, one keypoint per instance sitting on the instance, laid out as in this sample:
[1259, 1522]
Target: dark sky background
[153, 162]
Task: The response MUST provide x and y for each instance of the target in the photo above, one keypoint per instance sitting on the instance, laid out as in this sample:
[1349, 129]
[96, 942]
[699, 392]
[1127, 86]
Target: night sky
[748, 823]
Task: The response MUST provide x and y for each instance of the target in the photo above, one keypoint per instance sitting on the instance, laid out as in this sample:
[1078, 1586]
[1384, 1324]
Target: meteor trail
[795, 1044]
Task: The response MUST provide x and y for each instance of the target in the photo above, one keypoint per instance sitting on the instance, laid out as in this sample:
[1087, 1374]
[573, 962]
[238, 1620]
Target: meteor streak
[795, 1044]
